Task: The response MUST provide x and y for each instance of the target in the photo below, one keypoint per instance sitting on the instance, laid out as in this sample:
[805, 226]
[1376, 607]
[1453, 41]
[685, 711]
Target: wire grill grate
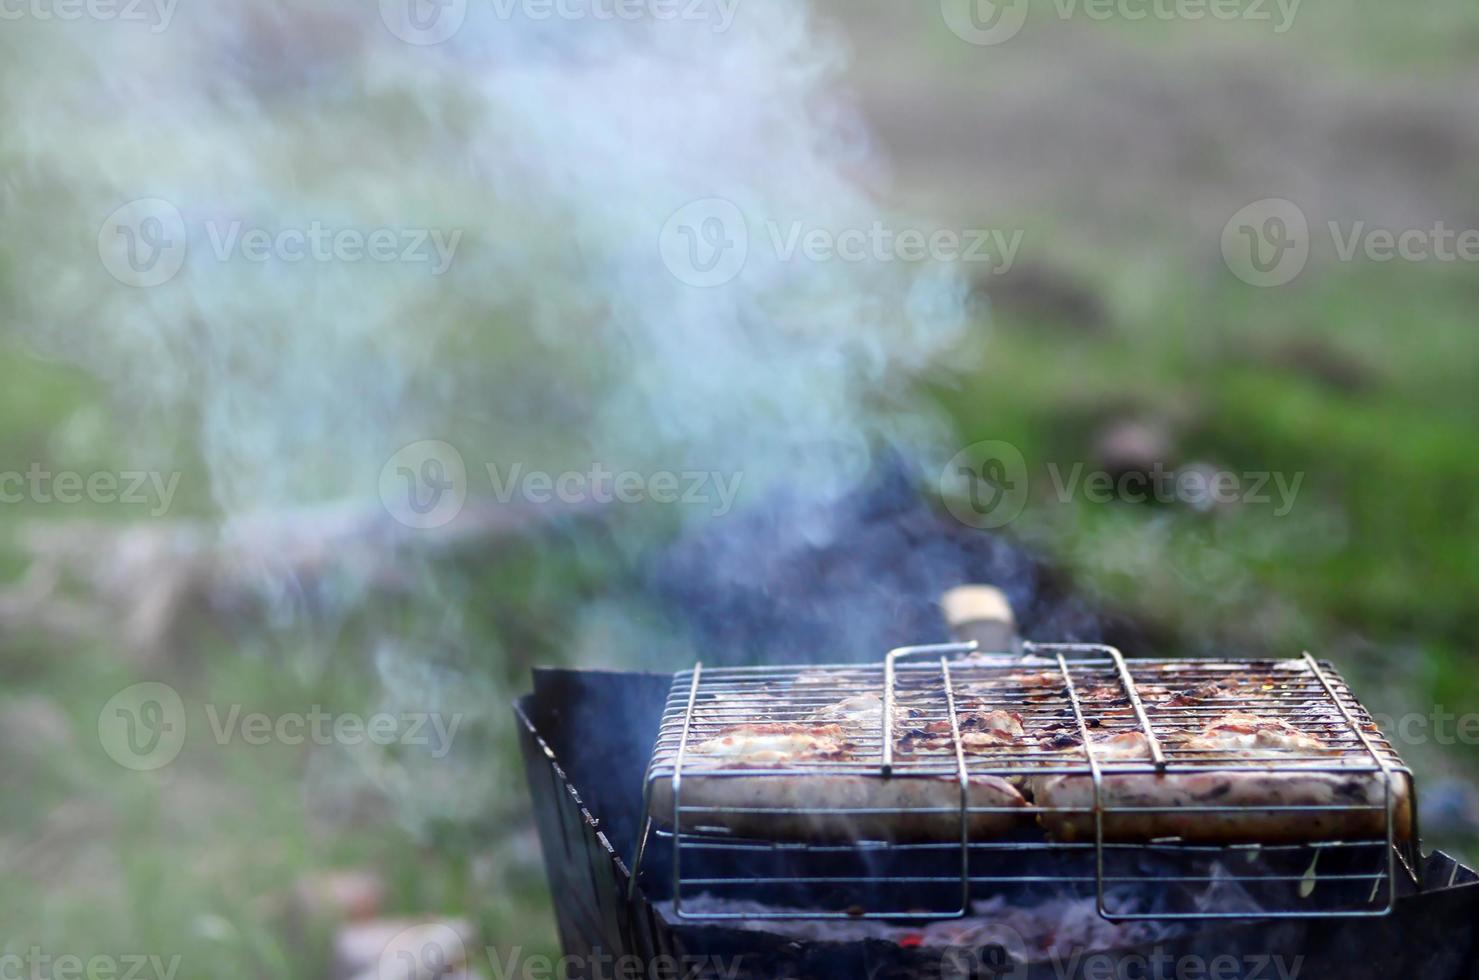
[957, 720]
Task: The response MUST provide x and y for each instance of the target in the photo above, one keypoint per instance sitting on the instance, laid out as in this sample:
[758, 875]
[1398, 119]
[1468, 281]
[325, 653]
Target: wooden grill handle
[982, 613]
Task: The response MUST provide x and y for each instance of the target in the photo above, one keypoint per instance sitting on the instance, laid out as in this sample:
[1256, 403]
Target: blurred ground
[1120, 150]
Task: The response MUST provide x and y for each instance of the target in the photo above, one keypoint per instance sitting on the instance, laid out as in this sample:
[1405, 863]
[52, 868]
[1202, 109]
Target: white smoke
[554, 153]
[556, 149]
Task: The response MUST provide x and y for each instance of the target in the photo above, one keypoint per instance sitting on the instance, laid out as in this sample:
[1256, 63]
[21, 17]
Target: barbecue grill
[626, 883]
[1091, 693]
[586, 736]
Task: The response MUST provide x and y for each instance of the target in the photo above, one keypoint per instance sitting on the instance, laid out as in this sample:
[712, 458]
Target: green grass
[200, 858]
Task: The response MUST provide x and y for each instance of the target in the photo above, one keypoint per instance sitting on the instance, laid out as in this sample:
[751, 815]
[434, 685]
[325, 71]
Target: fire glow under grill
[917, 825]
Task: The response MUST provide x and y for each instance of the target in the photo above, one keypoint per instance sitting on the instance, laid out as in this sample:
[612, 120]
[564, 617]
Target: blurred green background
[1120, 149]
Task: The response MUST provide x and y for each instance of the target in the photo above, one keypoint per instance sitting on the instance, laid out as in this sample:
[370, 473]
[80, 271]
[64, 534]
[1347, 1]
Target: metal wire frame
[1313, 697]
